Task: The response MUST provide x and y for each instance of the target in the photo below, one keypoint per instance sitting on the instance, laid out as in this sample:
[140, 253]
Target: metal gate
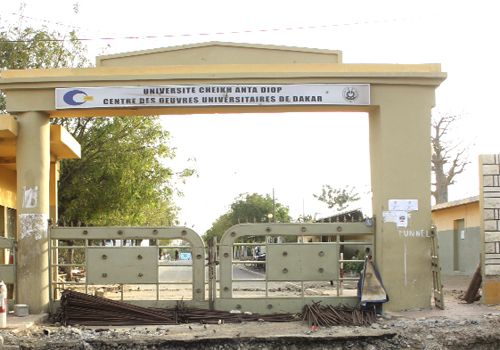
[8, 272]
[291, 263]
[108, 262]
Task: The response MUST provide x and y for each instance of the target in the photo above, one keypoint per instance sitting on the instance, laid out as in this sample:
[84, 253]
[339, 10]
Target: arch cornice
[35, 89]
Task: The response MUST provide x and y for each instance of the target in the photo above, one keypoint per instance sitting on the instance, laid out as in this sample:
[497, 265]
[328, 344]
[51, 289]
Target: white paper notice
[403, 204]
[400, 218]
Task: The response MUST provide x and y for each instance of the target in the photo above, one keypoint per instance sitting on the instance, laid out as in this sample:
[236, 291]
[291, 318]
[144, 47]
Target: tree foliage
[24, 47]
[248, 208]
[337, 198]
[304, 218]
[356, 266]
[29, 48]
[122, 176]
[449, 155]
[221, 225]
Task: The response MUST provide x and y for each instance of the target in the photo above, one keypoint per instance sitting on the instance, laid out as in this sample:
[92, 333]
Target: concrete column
[54, 178]
[33, 175]
[400, 155]
[489, 207]
[3, 232]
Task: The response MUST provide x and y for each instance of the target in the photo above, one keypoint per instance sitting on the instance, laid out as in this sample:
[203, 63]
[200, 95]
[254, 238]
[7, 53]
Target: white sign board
[185, 256]
[212, 95]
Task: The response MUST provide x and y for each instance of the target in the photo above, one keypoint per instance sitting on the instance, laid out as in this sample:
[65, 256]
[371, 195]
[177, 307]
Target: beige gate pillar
[400, 155]
[33, 174]
[54, 179]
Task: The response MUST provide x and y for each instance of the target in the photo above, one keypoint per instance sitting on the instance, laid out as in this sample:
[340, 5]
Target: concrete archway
[398, 98]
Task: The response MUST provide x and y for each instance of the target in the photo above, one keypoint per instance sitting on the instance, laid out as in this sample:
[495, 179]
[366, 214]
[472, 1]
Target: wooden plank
[436, 271]
[474, 285]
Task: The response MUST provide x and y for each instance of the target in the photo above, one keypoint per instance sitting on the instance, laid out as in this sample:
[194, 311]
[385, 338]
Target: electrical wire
[335, 25]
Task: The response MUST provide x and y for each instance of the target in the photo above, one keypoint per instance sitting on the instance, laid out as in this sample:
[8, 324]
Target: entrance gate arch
[401, 97]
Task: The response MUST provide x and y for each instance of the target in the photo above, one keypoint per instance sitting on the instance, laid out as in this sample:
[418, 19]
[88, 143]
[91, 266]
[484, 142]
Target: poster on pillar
[30, 197]
[33, 226]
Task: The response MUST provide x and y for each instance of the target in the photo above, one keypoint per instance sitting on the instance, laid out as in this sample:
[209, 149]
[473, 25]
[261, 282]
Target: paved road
[182, 271]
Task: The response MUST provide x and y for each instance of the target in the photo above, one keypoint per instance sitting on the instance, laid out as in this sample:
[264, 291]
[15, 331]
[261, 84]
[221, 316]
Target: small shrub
[356, 266]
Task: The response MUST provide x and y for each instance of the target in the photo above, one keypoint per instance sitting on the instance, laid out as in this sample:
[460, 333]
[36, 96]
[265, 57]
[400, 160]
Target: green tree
[248, 208]
[221, 225]
[356, 266]
[122, 174]
[338, 198]
[29, 48]
[24, 47]
[304, 218]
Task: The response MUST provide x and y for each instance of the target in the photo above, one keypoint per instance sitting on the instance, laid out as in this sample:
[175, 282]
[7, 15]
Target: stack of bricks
[489, 168]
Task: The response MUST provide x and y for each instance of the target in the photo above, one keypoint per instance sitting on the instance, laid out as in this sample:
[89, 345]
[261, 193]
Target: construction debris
[87, 310]
[472, 293]
[328, 316]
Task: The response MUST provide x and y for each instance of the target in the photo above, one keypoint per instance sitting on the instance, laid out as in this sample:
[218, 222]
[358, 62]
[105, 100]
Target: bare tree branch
[449, 156]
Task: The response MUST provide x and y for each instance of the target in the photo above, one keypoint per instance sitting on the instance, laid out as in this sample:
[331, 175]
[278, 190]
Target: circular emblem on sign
[350, 94]
[69, 97]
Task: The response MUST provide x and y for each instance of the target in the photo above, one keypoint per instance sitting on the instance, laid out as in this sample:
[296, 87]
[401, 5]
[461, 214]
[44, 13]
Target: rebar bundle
[83, 309]
[328, 316]
[88, 310]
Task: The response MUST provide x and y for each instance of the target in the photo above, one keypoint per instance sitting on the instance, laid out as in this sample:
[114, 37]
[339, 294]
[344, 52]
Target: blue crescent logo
[69, 97]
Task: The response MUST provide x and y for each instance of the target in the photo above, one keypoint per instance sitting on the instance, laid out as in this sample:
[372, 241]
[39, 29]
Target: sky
[297, 153]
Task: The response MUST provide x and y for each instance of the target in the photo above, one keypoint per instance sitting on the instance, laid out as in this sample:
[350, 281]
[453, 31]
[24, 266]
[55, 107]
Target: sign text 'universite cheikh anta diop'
[212, 95]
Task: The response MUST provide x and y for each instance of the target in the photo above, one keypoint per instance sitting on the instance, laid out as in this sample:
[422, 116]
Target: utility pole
[274, 208]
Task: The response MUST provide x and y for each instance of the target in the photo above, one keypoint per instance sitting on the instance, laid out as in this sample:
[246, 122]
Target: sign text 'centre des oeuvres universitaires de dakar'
[212, 95]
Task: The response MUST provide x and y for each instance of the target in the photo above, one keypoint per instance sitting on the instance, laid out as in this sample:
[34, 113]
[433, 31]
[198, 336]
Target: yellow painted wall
[458, 254]
[8, 188]
[444, 218]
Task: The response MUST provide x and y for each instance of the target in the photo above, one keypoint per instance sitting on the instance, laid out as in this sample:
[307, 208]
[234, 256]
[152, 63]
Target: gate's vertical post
[400, 156]
[226, 270]
[199, 273]
[212, 275]
[33, 174]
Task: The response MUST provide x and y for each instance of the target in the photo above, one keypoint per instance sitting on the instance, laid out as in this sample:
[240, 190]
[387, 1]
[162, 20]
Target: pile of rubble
[328, 316]
[481, 332]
